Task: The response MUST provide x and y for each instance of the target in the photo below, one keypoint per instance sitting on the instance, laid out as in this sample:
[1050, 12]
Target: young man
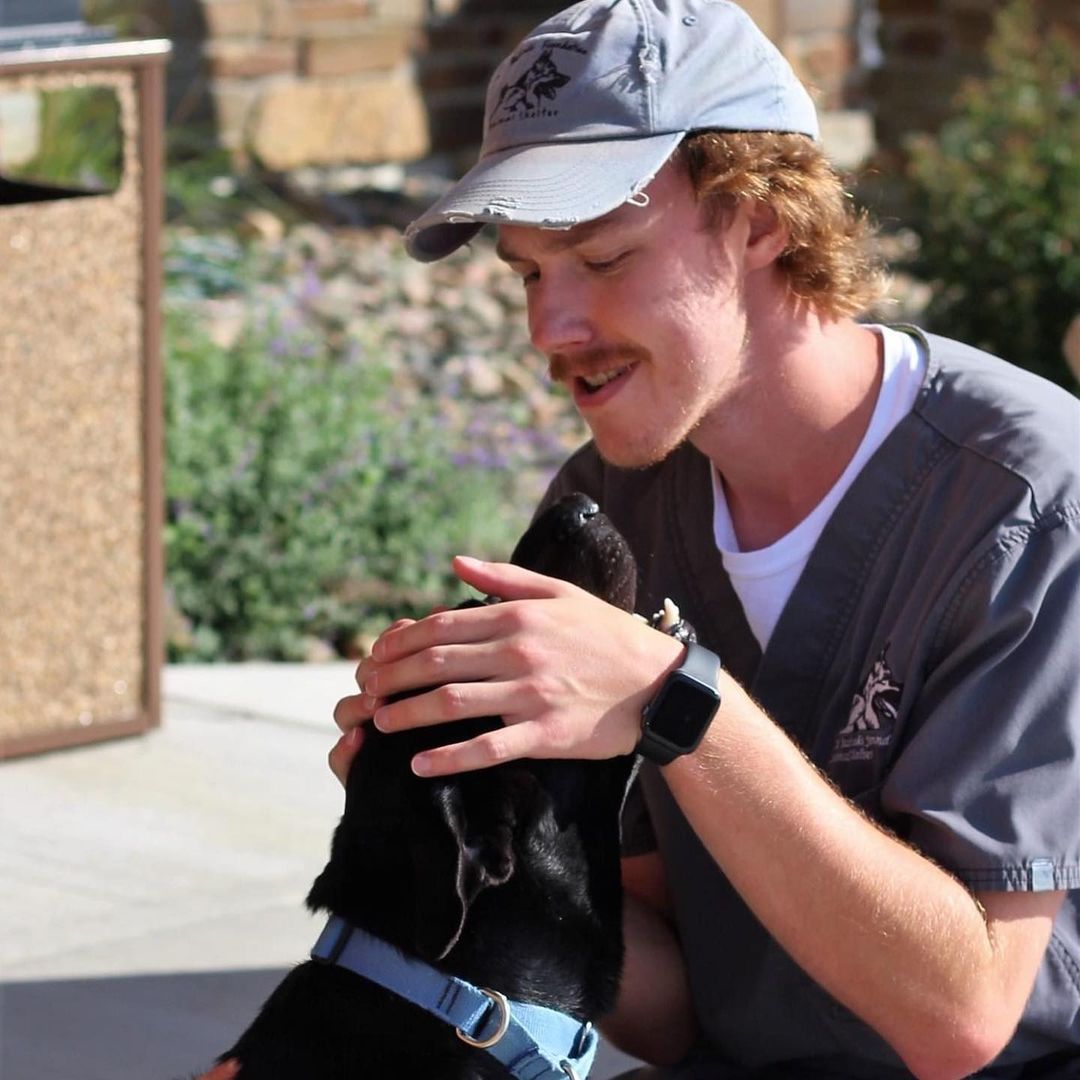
[866, 861]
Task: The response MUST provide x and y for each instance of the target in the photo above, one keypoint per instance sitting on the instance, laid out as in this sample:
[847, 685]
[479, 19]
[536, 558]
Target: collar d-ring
[503, 1006]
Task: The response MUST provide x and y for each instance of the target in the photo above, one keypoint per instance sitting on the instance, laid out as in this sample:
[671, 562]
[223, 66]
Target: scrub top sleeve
[989, 783]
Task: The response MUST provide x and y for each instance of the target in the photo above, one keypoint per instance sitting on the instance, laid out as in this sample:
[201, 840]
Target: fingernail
[379, 719]
[421, 765]
[378, 650]
[368, 702]
[371, 685]
[352, 737]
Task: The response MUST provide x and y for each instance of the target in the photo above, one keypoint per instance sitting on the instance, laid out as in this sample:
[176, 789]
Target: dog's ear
[474, 851]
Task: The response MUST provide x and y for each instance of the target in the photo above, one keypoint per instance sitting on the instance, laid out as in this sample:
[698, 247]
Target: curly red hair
[831, 260]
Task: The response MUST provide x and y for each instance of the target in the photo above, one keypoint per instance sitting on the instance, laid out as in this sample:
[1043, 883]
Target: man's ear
[471, 849]
[766, 238]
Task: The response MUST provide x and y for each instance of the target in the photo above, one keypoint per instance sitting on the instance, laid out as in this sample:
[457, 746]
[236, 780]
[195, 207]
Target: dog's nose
[581, 508]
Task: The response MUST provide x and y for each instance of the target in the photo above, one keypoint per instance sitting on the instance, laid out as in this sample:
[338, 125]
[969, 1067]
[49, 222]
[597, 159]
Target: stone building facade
[327, 82]
[928, 48]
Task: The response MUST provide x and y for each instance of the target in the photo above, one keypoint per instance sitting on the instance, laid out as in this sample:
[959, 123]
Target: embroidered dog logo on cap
[540, 81]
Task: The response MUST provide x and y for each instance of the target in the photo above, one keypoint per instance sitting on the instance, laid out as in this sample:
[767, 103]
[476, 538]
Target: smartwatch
[674, 722]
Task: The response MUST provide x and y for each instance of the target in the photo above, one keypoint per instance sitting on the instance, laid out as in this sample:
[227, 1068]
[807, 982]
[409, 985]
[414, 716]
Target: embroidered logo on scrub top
[872, 717]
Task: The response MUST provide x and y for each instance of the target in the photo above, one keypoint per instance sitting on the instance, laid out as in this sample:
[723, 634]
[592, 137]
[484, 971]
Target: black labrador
[506, 877]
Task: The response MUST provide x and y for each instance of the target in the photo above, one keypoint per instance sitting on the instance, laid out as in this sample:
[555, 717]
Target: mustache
[594, 361]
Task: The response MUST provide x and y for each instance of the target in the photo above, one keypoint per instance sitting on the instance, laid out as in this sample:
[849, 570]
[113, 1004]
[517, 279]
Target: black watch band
[674, 722]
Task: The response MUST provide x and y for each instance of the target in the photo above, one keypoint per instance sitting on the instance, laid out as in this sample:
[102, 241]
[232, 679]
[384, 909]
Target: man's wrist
[674, 722]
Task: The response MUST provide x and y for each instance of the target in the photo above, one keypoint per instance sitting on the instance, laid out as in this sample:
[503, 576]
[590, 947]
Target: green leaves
[999, 189]
[310, 495]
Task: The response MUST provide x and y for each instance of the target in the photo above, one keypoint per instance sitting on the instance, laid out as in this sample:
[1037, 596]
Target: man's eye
[603, 266]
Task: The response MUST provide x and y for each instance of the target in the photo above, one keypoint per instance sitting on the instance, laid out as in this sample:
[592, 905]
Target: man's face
[640, 316]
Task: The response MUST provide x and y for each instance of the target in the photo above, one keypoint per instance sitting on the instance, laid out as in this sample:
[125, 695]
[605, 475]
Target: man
[866, 861]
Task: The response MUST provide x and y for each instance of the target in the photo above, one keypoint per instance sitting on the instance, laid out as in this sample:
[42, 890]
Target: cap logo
[524, 98]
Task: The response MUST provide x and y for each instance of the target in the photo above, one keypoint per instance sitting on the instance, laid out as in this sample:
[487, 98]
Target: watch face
[683, 713]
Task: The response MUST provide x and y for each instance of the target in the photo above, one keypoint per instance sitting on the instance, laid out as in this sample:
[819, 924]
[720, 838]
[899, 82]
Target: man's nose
[558, 315]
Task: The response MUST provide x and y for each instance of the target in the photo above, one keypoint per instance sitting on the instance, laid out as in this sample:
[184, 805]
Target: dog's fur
[507, 877]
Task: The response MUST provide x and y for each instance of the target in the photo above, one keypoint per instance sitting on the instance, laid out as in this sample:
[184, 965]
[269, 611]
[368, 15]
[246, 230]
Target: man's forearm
[653, 1019]
[888, 933]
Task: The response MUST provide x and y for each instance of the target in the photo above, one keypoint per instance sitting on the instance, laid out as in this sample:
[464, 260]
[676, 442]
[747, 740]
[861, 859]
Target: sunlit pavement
[153, 887]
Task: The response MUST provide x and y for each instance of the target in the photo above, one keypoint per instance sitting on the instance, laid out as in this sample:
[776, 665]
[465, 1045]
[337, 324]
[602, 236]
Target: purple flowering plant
[339, 423]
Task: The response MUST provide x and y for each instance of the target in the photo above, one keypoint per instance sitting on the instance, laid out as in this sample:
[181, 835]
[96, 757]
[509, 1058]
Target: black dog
[507, 878]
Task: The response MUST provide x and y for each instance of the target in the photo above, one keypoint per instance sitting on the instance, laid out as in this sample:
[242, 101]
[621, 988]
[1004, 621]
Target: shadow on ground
[141, 1027]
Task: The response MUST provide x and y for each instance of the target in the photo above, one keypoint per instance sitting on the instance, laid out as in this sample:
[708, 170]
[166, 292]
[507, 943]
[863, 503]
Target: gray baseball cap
[586, 110]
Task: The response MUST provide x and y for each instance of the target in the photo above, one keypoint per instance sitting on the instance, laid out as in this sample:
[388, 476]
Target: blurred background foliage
[127, 17]
[303, 500]
[81, 143]
[330, 446]
[340, 422]
[996, 201]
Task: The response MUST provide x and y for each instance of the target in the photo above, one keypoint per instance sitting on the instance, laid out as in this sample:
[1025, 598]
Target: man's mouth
[594, 382]
[597, 375]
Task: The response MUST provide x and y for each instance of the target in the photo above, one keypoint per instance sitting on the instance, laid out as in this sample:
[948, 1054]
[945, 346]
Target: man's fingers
[227, 1070]
[494, 748]
[344, 751]
[458, 626]
[355, 709]
[434, 666]
[441, 704]
[359, 676]
[507, 581]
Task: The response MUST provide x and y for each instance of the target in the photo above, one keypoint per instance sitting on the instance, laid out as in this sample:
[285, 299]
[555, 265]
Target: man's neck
[797, 423]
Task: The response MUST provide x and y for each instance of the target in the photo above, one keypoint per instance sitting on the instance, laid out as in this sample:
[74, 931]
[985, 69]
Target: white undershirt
[764, 579]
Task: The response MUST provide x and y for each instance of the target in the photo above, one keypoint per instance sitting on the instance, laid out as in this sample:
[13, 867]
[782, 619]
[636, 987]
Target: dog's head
[573, 541]
[439, 847]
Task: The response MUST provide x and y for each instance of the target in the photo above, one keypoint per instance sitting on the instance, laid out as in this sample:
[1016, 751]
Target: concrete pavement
[153, 887]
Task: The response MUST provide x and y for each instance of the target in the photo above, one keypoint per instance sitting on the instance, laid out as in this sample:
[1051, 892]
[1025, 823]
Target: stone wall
[296, 82]
[929, 47]
[325, 82]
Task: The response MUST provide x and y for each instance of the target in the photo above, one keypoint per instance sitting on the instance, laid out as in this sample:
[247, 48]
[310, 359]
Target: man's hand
[350, 714]
[227, 1070]
[568, 673]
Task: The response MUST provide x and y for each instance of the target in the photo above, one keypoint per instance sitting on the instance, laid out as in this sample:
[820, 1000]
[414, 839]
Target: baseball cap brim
[554, 185]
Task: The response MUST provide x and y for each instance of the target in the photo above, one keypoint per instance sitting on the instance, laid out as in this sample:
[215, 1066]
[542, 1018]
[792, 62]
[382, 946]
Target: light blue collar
[533, 1042]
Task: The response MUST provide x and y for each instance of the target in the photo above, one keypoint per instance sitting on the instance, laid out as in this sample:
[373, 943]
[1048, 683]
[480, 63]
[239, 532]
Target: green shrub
[307, 495]
[126, 17]
[999, 191]
[204, 191]
[81, 141]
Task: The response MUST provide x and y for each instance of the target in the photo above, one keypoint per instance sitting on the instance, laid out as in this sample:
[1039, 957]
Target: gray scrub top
[928, 662]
